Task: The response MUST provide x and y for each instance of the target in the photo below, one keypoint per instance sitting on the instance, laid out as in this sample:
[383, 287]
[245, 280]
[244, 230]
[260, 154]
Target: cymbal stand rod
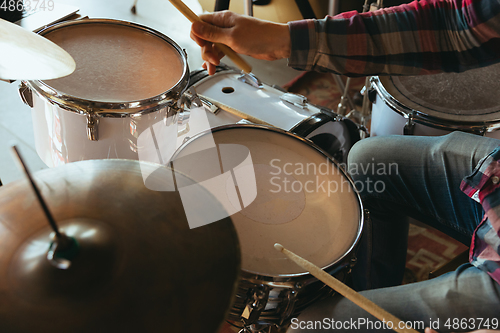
[345, 96]
[134, 7]
[23, 166]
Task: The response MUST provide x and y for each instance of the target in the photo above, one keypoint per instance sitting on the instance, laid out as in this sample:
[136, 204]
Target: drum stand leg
[342, 109]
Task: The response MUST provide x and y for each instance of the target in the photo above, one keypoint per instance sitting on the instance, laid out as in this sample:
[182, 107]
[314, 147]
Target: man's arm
[417, 38]
[422, 37]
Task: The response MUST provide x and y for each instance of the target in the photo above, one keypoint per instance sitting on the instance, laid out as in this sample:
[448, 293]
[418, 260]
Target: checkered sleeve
[423, 37]
[483, 185]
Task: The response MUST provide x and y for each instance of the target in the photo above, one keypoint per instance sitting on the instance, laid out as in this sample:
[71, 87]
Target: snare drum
[437, 104]
[290, 112]
[127, 78]
[304, 201]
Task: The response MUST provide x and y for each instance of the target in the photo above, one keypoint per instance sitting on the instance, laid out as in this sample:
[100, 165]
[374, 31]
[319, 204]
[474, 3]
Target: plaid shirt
[483, 186]
[423, 37]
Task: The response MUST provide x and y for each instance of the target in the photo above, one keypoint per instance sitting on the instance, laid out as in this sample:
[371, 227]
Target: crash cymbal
[136, 266]
[28, 56]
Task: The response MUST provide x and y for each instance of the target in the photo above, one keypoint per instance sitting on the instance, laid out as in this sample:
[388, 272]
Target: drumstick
[347, 292]
[234, 111]
[134, 7]
[191, 16]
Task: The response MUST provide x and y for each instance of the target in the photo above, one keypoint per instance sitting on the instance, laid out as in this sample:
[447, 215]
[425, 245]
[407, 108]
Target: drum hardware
[214, 109]
[410, 124]
[62, 248]
[26, 94]
[295, 99]
[365, 107]
[134, 7]
[251, 79]
[257, 300]
[211, 107]
[345, 98]
[92, 126]
[28, 56]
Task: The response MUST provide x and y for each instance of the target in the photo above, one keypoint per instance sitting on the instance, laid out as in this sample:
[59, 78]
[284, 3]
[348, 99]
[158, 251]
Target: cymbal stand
[342, 108]
[62, 248]
[364, 115]
[365, 112]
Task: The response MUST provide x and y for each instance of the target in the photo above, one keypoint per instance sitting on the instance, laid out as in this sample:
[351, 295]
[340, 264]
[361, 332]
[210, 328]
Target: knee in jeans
[369, 150]
[362, 151]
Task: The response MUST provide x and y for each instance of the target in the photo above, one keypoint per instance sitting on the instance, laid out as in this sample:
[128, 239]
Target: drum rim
[361, 220]
[129, 108]
[409, 109]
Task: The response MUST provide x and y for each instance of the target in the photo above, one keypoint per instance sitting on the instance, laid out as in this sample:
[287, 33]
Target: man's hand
[245, 35]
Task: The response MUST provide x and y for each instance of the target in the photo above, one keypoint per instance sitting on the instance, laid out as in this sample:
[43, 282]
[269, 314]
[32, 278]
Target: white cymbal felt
[25, 55]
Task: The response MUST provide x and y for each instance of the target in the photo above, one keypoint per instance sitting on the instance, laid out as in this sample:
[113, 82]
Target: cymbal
[28, 56]
[139, 268]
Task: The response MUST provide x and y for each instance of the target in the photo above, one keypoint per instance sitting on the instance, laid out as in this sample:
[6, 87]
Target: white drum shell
[266, 103]
[60, 120]
[61, 135]
[262, 103]
[390, 116]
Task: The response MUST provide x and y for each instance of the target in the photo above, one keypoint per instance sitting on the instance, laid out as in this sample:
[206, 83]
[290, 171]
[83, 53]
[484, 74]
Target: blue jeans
[400, 176]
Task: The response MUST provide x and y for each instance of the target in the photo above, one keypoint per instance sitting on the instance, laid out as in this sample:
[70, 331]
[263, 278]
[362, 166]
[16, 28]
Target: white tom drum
[437, 104]
[304, 201]
[127, 78]
[287, 111]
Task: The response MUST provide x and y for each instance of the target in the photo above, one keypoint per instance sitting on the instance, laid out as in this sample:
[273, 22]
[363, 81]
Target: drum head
[116, 61]
[471, 96]
[302, 200]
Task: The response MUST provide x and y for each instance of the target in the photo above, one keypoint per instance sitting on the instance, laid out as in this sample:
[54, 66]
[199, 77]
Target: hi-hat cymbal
[28, 56]
[138, 267]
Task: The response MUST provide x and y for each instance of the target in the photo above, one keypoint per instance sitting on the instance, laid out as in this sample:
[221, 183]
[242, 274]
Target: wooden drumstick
[191, 16]
[234, 111]
[347, 292]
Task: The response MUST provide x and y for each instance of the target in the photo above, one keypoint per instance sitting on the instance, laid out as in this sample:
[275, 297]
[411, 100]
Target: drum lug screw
[171, 115]
[92, 124]
[26, 94]
[353, 261]
[409, 126]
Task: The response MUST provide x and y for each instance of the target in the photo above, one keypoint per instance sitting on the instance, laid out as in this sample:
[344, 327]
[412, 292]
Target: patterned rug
[321, 88]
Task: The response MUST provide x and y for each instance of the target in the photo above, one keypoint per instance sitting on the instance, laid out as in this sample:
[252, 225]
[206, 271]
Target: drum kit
[128, 258]
[125, 131]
